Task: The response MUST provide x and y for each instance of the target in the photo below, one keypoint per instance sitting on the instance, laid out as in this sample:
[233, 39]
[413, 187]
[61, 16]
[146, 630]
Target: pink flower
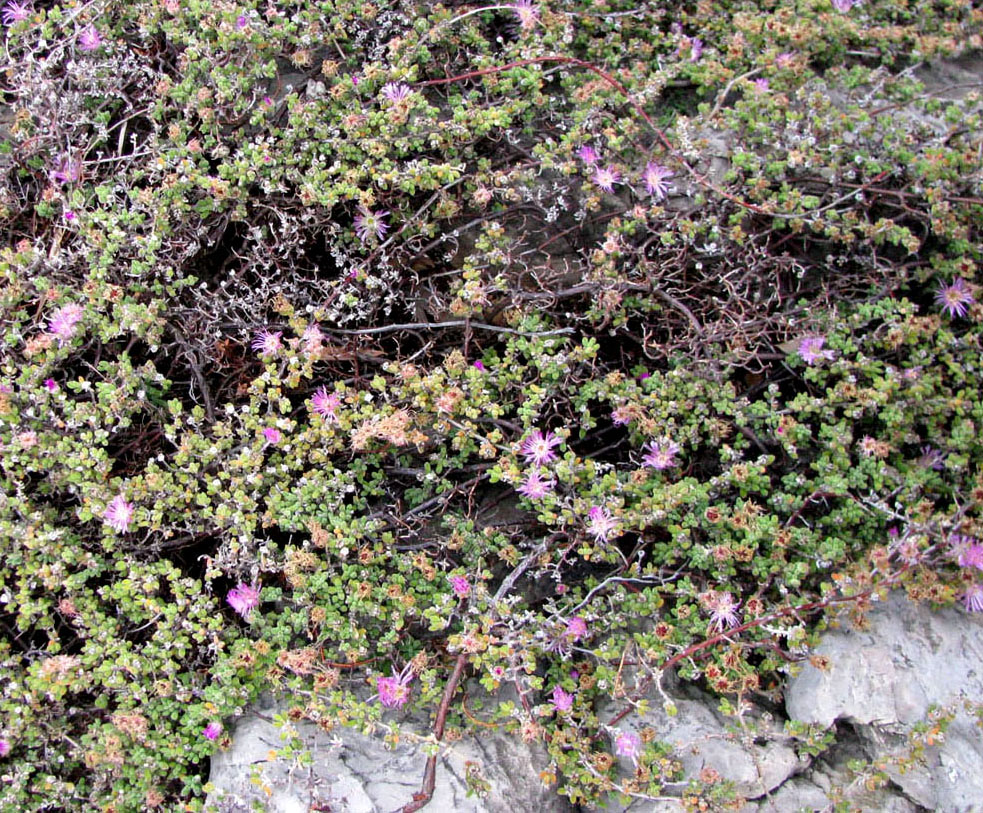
[118, 514]
[537, 448]
[722, 608]
[655, 178]
[606, 178]
[396, 91]
[267, 343]
[479, 366]
[244, 598]
[601, 523]
[621, 416]
[973, 598]
[695, 47]
[562, 701]
[370, 224]
[51, 384]
[65, 171]
[761, 85]
[971, 555]
[63, 322]
[535, 487]
[393, 692]
[588, 155]
[786, 59]
[576, 628]
[272, 436]
[4, 745]
[242, 21]
[461, 586]
[312, 338]
[628, 744]
[212, 730]
[69, 215]
[527, 13]
[89, 39]
[325, 403]
[15, 12]
[843, 6]
[955, 298]
[811, 349]
[661, 454]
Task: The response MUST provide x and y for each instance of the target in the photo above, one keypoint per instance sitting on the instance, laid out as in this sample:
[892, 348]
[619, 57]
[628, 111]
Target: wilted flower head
[695, 47]
[607, 177]
[461, 586]
[370, 224]
[955, 298]
[931, 458]
[89, 38]
[15, 12]
[527, 13]
[325, 403]
[396, 91]
[212, 730]
[537, 448]
[973, 598]
[393, 692]
[244, 598]
[628, 744]
[661, 454]
[65, 171]
[267, 342]
[655, 178]
[63, 322]
[535, 486]
[722, 609]
[600, 523]
[312, 338]
[622, 415]
[588, 155]
[811, 349]
[562, 701]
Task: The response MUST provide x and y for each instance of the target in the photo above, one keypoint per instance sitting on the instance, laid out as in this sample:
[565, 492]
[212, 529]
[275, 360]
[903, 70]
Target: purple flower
[89, 39]
[576, 628]
[955, 298]
[600, 523]
[118, 514]
[811, 349]
[621, 416]
[843, 6]
[761, 85]
[588, 155]
[370, 223]
[272, 436]
[461, 586]
[479, 366]
[15, 12]
[723, 610]
[535, 487]
[212, 730]
[69, 215]
[973, 598]
[655, 180]
[51, 384]
[607, 177]
[244, 598]
[628, 744]
[931, 459]
[786, 59]
[661, 454]
[64, 321]
[242, 21]
[65, 171]
[393, 692]
[696, 49]
[562, 701]
[267, 343]
[4, 748]
[527, 13]
[971, 555]
[537, 448]
[396, 91]
[325, 403]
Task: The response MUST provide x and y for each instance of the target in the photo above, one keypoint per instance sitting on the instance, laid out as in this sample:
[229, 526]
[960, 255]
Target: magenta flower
[955, 298]
[527, 13]
[562, 701]
[69, 215]
[600, 523]
[325, 403]
[607, 177]
[973, 598]
[89, 39]
[479, 366]
[661, 454]
[723, 611]
[396, 91]
[272, 436]
[576, 628]
[393, 692]
[4, 748]
[64, 321]
[15, 12]
[811, 349]
[628, 744]
[212, 730]
[242, 21]
[370, 224]
[461, 586]
[655, 178]
[589, 155]
[535, 487]
[537, 448]
[244, 598]
[51, 384]
[118, 514]
[267, 343]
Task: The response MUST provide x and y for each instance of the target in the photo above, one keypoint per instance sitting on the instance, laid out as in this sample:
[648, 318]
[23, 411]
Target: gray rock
[885, 678]
[356, 773]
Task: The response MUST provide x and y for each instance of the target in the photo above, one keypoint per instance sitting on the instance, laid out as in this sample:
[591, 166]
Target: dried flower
[562, 701]
[955, 298]
[535, 487]
[655, 178]
[622, 415]
[89, 39]
[267, 343]
[118, 514]
[244, 598]
[607, 177]
[212, 730]
[537, 448]
[370, 223]
[722, 609]
[661, 454]
[65, 171]
[312, 338]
